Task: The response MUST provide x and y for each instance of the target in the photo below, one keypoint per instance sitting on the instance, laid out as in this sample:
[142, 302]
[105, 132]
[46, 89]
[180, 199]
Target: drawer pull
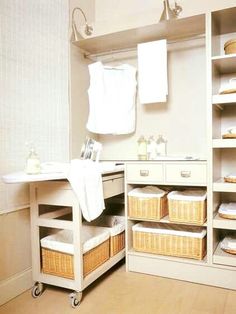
[185, 174]
[144, 173]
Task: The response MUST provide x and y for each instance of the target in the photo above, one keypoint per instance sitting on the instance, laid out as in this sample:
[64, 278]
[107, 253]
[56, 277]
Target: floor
[119, 292]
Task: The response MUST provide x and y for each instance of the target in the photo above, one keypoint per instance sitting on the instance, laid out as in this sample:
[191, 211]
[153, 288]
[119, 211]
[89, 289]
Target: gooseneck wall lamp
[169, 13]
[88, 30]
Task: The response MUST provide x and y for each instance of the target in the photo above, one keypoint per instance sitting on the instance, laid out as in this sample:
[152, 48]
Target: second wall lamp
[88, 30]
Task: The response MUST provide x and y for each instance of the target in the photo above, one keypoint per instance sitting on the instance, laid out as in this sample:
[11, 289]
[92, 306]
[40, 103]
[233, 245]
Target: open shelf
[223, 223]
[224, 143]
[222, 186]
[170, 258]
[223, 258]
[171, 30]
[225, 64]
[224, 99]
[225, 20]
[166, 220]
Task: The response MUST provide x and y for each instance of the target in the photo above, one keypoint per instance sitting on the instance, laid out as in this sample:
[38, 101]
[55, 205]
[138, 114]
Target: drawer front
[113, 187]
[186, 174]
[145, 172]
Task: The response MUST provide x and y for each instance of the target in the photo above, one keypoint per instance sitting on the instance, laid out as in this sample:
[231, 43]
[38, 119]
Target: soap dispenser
[151, 148]
[142, 148]
[161, 146]
[33, 162]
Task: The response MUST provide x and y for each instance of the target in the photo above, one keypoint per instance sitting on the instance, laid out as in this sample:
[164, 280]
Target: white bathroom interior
[45, 106]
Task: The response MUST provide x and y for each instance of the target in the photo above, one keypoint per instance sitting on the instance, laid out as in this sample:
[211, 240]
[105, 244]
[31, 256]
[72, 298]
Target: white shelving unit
[222, 114]
[217, 268]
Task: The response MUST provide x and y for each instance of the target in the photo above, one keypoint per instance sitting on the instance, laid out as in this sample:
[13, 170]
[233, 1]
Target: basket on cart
[116, 226]
[58, 249]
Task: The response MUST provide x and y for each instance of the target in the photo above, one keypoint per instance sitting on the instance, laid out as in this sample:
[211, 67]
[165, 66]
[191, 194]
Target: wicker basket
[230, 251]
[186, 211]
[117, 243]
[62, 264]
[116, 226]
[230, 46]
[230, 179]
[169, 244]
[153, 208]
[227, 216]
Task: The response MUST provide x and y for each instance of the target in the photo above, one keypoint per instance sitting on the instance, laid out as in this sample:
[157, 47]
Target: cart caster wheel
[37, 290]
[75, 298]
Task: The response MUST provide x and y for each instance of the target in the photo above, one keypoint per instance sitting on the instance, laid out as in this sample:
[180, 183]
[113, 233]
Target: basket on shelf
[188, 206]
[58, 251]
[229, 135]
[228, 244]
[230, 46]
[227, 210]
[148, 202]
[172, 240]
[230, 178]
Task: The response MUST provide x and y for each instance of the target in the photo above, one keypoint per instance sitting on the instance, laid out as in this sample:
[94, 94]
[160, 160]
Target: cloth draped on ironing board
[112, 97]
[86, 181]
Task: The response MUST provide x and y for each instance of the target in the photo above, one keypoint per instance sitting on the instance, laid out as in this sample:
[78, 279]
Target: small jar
[142, 148]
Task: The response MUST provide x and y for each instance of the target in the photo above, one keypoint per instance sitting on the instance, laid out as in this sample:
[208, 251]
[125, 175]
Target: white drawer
[186, 173]
[145, 172]
[113, 186]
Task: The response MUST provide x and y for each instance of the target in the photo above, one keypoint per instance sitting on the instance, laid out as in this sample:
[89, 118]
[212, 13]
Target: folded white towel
[152, 68]
[184, 231]
[86, 181]
[228, 243]
[112, 94]
[188, 195]
[62, 240]
[227, 208]
[147, 191]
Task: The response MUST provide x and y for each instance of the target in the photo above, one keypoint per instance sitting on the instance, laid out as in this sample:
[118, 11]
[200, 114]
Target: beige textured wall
[14, 243]
[34, 107]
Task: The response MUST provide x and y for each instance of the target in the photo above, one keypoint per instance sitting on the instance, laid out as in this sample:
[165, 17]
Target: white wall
[187, 96]
[181, 120]
[114, 15]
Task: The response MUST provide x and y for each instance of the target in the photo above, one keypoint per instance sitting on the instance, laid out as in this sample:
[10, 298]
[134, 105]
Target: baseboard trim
[15, 285]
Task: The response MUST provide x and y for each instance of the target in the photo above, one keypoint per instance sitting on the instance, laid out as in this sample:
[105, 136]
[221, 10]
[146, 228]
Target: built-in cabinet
[217, 268]
[222, 109]
[167, 175]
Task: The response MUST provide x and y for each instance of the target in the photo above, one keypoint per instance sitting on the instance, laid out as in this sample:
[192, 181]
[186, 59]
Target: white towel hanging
[152, 72]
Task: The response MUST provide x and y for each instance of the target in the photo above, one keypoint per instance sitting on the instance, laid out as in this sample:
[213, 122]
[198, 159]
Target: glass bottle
[33, 163]
[151, 148]
[142, 148]
[161, 146]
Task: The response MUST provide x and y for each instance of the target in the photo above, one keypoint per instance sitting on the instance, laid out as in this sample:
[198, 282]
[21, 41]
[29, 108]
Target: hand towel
[86, 181]
[152, 72]
[112, 95]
